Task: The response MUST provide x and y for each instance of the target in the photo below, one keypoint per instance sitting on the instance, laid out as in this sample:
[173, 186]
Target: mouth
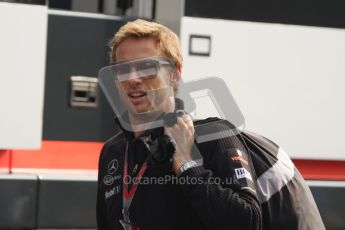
[137, 97]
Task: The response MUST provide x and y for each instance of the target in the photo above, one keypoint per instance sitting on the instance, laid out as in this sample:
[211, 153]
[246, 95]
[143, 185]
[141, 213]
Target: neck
[137, 134]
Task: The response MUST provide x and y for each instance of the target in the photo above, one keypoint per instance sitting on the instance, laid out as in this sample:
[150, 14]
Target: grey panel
[331, 204]
[67, 204]
[17, 201]
[76, 46]
[26, 203]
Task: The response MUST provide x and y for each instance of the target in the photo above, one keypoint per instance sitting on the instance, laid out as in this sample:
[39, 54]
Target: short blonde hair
[167, 41]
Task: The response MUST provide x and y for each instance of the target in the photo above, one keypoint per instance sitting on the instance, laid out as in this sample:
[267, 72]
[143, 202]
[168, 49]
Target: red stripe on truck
[59, 155]
[321, 169]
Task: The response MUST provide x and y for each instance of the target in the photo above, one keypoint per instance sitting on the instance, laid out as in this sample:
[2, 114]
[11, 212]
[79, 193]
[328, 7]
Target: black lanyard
[128, 194]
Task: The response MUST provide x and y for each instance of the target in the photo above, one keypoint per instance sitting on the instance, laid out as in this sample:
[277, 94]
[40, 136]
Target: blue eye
[147, 64]
[123, 69]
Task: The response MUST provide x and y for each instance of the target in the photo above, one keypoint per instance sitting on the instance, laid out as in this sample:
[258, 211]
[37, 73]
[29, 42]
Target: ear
[175, 77]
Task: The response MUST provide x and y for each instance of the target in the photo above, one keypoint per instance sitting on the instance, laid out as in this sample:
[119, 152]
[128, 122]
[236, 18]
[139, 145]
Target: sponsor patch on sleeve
[243, 173]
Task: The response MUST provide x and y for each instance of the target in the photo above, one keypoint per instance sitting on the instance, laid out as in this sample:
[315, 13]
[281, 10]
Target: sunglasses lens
[123, 69]
[145, 65]
[146, 69]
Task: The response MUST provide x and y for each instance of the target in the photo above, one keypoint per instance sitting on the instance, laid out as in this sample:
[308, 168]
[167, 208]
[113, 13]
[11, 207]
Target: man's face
[141, 94]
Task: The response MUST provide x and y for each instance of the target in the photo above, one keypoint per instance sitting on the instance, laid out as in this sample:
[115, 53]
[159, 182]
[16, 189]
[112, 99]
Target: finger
[188, 121]
[182, 124]
[186, 117]
[172, 130]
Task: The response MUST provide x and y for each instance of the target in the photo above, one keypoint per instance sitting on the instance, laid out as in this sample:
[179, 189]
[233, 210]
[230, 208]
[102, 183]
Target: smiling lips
[137, 97]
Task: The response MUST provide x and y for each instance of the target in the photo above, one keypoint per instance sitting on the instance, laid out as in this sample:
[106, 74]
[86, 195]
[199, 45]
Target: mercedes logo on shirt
[112, 166]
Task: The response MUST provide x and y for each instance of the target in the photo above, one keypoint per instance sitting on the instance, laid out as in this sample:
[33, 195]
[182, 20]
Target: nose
[133, 80]
[133, 76]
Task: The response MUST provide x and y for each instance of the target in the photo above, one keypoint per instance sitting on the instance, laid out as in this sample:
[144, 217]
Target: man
[225, 192]
[148, 63]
